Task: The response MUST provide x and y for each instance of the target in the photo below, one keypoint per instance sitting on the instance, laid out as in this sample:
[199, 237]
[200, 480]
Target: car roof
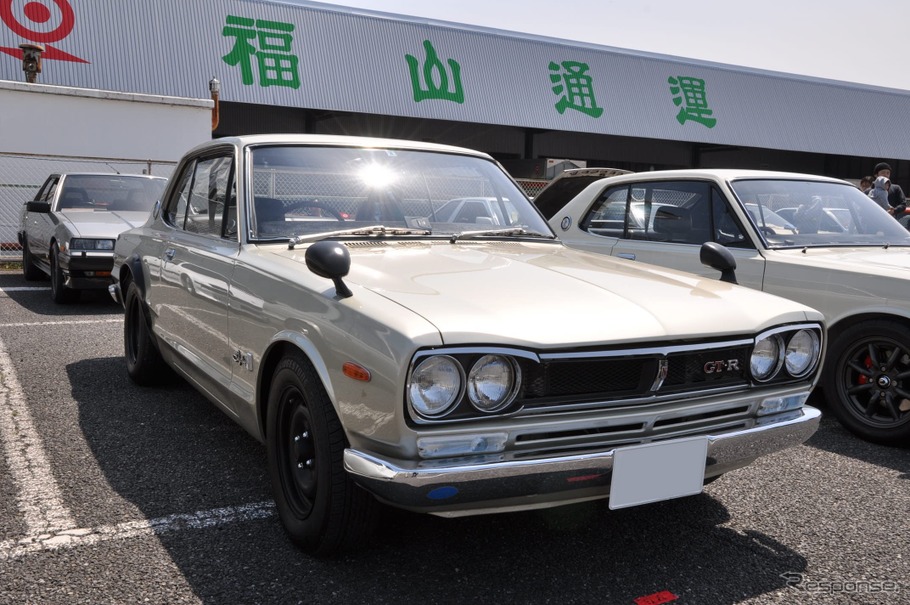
[337, 140]
[725, 174]
[111, 174]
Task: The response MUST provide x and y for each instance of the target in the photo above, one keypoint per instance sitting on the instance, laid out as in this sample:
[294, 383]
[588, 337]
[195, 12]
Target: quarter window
[47, 192]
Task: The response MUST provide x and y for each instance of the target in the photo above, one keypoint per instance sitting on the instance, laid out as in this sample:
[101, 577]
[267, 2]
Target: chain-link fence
[532, 187]
[21, 175]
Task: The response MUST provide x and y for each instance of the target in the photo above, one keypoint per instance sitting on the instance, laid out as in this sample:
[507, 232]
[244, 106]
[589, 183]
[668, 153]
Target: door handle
[626, 255]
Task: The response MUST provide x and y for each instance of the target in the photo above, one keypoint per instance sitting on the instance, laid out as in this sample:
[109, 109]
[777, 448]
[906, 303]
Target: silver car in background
[68, 230]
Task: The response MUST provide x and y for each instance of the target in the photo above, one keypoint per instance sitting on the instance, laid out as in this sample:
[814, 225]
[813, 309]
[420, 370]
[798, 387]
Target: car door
[39, 226]
[666, 222]
[196, 265]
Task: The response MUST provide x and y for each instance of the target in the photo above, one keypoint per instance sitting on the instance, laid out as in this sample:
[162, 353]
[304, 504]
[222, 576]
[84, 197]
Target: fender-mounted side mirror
[718, 257]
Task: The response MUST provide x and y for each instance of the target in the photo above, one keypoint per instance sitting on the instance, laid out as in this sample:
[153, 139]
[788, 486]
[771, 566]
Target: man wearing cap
[896, 196]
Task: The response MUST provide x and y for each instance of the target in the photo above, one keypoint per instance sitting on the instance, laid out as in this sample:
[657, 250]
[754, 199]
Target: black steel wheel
[322, 510]
[60, 294]
[29, 271]
[143, 360]
[867, 381]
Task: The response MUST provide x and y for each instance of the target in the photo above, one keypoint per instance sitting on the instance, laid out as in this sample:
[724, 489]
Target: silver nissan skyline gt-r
[311, 288]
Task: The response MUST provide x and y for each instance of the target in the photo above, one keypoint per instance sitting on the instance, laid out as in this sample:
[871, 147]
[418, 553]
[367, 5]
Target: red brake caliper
[863, 379]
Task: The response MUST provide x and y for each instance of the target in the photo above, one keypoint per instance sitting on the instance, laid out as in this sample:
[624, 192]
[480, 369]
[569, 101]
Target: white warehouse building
[310, 67]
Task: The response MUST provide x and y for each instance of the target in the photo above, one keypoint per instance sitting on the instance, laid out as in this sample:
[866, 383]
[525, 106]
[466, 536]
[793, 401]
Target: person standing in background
[896, 197]
[879, 193]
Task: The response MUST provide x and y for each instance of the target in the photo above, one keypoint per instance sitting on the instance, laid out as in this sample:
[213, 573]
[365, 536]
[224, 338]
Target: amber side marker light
[352, 370]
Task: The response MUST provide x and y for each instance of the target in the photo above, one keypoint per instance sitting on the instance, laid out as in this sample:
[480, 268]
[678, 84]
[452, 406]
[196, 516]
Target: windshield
[791, 213]
[302, 191]
[117, 193]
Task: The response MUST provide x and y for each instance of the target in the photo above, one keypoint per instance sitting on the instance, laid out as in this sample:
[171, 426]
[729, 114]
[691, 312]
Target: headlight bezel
[784, 337]
[464, 409]
[416, 376]
[510, 390]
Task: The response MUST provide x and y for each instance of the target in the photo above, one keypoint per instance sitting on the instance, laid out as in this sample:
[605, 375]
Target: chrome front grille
[576, 379]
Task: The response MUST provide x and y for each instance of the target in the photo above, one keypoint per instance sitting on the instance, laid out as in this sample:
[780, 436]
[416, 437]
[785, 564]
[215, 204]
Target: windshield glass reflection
[791, 213]
[305, 190]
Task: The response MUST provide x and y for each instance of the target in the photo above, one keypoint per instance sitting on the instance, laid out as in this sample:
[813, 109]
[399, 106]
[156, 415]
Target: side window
[608, 214]
[681, 212]
[203, 197]
[175, 208]
[727, 230]
[209, 196]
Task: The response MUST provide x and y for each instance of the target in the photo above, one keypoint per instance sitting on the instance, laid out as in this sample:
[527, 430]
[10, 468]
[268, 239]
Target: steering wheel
[314, 204]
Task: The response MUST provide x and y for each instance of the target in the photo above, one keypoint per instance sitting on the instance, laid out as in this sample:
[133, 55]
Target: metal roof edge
[335, 8]
[111, 95]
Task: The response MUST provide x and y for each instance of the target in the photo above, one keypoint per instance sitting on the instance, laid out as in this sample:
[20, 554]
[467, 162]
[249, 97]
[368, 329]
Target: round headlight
[435, 385]
[802, 353]
[765, 359]
[492, 383]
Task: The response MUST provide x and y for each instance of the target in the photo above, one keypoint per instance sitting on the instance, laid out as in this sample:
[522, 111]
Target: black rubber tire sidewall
[340, 515]
[143, 360]
[838, 353]
[29, 271]
[60, 294]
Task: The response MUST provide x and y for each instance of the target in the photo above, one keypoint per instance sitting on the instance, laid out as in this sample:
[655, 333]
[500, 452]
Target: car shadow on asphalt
[833, 437]
[168, 450]
[35, 297]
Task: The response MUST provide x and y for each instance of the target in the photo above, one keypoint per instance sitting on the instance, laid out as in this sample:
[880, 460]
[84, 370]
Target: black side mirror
[42, 207]
[718, 257]
[332, 260]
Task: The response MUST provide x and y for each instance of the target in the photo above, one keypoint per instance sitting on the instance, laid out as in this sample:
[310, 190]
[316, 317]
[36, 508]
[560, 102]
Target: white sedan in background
[812, 239]
[67, 231]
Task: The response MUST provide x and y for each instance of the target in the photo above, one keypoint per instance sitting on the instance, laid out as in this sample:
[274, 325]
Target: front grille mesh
[619, 378]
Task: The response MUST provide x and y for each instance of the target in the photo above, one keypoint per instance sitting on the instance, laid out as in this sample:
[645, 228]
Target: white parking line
[49, 524]
[38, 496]
[24, 289]
[14, 549]
[26, 324]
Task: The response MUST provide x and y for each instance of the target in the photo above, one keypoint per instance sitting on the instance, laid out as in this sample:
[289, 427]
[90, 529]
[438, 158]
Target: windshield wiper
[380, 230]
[492, 232]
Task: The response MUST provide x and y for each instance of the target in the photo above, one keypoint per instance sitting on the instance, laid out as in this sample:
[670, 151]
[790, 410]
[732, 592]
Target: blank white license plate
[658, 471]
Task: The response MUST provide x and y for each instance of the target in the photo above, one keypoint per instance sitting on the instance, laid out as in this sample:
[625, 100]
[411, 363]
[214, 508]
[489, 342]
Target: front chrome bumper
[456, 488]
[114, 291]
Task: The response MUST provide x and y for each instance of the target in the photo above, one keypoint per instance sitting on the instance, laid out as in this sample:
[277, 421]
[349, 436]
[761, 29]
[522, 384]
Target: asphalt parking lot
[111, 493]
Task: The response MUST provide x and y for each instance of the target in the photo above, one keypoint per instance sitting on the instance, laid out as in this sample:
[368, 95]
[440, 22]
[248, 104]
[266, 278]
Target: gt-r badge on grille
[717, 367]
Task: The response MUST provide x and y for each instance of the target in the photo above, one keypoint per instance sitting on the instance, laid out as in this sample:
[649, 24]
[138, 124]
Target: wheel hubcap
[299, 456]
[874, 376]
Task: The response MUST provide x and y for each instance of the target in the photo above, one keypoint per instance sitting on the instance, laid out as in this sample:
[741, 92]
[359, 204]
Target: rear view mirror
[42, 207]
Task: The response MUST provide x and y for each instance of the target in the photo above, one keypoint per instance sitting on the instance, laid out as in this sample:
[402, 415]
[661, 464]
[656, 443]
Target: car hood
[105, 223]
[547, 294]
[868, 260]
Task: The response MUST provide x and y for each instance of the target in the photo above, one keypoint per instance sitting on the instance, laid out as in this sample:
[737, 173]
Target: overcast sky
[844, 40]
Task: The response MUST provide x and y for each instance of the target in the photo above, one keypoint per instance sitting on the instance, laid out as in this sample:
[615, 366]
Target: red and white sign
[42, 22]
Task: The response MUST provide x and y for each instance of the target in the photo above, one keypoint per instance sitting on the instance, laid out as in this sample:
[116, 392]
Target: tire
[60, 294]
[323, 512]
[867, 381]
[29, 271]
[143, 360]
